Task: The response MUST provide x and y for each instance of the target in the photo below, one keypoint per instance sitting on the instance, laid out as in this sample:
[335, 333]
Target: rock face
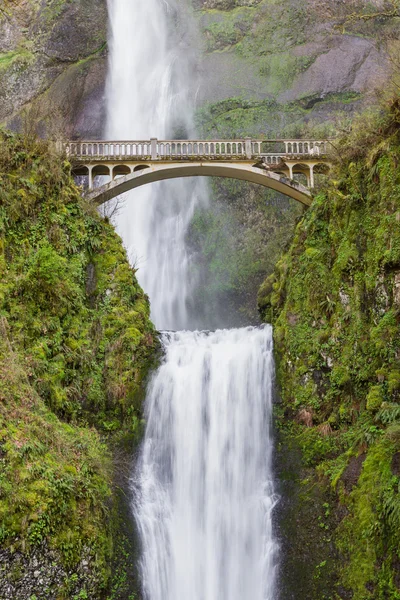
[342, 64]
[53, 60]
[302, 57]
[41, 575]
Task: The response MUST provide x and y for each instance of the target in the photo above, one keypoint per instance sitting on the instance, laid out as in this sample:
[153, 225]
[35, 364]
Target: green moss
[21, 57]
[337, 334]
[375, 398]
[70, 379]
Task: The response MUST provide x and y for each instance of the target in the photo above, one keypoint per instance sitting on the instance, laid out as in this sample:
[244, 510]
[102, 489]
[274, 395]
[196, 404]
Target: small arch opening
[140, 168]
[101, 175]
[301, 174]
[120, 171]
[321, 173]
[81, 177]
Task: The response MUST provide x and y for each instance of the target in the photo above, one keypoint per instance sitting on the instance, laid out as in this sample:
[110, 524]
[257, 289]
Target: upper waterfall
[150, 94]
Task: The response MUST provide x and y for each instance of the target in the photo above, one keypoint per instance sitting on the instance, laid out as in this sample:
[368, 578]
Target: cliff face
[290, 65]
[53, 60]
[75, 344]
[335, 302]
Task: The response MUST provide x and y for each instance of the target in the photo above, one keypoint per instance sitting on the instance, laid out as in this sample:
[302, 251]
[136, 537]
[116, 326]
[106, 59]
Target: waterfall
[151, 78]
[204, 490]
[203, 486]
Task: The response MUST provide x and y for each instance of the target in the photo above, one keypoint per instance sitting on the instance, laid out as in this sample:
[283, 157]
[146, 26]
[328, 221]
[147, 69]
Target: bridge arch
[160, 172]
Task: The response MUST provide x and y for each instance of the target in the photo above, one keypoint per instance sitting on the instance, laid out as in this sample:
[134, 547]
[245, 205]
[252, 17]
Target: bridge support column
[312, 182]
[290, 167]
[90, 169]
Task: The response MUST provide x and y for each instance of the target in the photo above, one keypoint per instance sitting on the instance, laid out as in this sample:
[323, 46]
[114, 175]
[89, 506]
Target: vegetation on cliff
[334, 299]
[75, 343]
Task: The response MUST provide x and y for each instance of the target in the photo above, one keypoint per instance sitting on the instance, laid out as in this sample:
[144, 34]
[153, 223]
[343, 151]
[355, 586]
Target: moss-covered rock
[52, 61]
[75, 344]
[292, 53]
[332, 300]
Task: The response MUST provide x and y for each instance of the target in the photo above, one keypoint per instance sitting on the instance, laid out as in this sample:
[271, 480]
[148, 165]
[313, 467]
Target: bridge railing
[272, 151]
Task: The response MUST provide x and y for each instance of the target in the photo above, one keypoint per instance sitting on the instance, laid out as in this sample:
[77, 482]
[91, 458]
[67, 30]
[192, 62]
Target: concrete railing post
[153, 142]
[247, 147]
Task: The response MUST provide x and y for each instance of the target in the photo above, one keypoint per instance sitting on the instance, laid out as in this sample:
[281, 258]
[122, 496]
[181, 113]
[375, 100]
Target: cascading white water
[204, 489]
[151, 75]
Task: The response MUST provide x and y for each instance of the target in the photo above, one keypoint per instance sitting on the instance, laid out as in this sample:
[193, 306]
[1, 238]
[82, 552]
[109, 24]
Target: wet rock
[56, 65]
[41, 574]
[342, 64]
[396, 464]
[353, 472]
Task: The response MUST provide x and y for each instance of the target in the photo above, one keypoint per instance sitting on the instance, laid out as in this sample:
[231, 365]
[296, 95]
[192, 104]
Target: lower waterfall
[203, 486]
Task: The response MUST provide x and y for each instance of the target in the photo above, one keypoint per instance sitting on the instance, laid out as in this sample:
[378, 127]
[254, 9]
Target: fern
[388, 413]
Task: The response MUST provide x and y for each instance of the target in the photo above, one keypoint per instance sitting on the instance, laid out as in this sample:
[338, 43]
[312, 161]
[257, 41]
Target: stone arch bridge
[276, 164]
